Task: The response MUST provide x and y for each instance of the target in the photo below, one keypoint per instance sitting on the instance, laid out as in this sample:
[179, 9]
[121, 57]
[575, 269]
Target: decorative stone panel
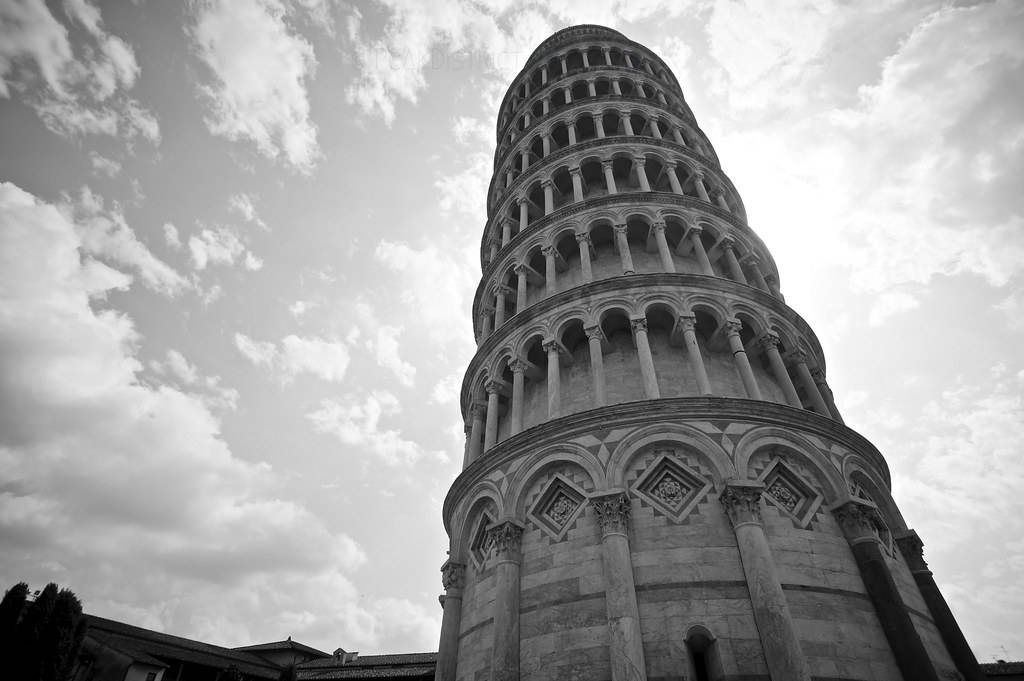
[558, 506]
[671, 487]
[479, 546]
[785, 489]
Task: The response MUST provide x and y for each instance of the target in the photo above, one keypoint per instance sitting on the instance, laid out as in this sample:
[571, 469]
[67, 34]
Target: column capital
[769, 340]
[518, 366]
[520, 267]
[575, 170]
[639, 160]
[742, 502]
[548, 250]
[697, 173]
[546, 184]
[912, 549]
[453, 575]
[671, 165]
[619, 229]
[612, 511]
[582, 237]
[478, 409]
[688, 322]
[797, 356]
[594, 332]
[818, 375]
[638, 325]
[522, 200]
[606, 164]
[858, 518]
[694, 230]
[502, 290]
[505, 539]
[551, 345]
[733, 327]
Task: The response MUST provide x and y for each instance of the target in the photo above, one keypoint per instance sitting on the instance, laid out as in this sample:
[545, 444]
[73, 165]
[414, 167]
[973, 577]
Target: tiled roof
[283, 645]
[1002, 668]
[137, 642]
[407, 666]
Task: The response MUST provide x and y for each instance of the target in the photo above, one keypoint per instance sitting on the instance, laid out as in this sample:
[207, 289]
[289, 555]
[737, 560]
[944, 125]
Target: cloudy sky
[237, 255]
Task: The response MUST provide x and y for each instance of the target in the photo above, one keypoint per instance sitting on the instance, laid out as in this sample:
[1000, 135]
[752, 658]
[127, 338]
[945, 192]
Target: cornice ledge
[646, 411]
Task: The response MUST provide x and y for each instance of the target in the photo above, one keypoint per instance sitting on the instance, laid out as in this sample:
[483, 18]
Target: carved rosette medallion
[742, 502]
[612, 512]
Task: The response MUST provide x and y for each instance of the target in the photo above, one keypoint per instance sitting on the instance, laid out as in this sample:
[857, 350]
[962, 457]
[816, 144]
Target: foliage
[44, 635]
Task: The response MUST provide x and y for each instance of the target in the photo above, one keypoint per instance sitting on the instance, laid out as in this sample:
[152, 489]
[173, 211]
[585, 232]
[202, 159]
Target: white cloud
[382, 341]
[207, 388]
[889, 303]
[327, 360]
[357, 423]
[79, 94]
[259, 69]
[242, 205]
[466, 191]
[301, 307]
[180, 368]
[473, 131]
[171, 236]
[102, 165]
[105, 234]
[97, 464]
[218, 246]
[252, 263]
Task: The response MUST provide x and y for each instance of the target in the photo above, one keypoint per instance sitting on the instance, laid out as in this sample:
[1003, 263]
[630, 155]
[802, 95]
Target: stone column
[550, 269]
[476, 433]
[607, 55]
[506, 231]
[641, 175]
[616, 89]
[599, 125]
[625, 643]
[525, 159]
[739, 356]
[501, 291]
[782, 652]
[698, 185]
[505, 540]
[565, 65]
[521, 282]
[734, 265]
[819, 379]
[491, 430]
[545, 143]
[755, 268]
[666, 255]
[912, 547]
[546, 105]
[655, 130]
[591, 87]
[770, 344]
[609, 178]
[857, 518]
[586, 60]
[595, 337]
[626, 58]
[549, 197]
[518, 368]
[622, 242]
[544, 74]
[627, 125]
[689, 324]
[453, 579]
[643, 351]
[524, 214]
[552, 347]
[583, 240]
[571, 129]
[486, 324]
[673, 179]
[677, 135]
[493, 253]
[577, 184]
[698, 250]
[799, 360]
[722, 203]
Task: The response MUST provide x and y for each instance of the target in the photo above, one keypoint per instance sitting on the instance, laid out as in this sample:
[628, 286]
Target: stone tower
[657, 483]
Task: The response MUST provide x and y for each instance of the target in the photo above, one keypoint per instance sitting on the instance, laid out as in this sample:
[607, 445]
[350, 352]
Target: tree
[43, 645]
[11, 608]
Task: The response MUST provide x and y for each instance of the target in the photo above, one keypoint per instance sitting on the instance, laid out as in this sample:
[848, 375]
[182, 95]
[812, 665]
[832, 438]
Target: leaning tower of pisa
[657, 483]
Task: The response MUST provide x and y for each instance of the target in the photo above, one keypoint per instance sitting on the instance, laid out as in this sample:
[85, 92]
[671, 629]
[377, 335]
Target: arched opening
[622, 170]
[559, 137]
[558, 98]
[603, 87]
[585, 128]
[605, 262]
[579, 90]
[626, 87]
[638, 122]
[705, 662]
[535, 392]
[593, 178]
[535, 79]
[623, 380]
[567, 261]
[574, 376]
[595, 56]
[534, 203]
[554, 68]
[574, 61]
[642, 246]
[535, 275]
[612, 124]
[670, 365]
[537, 109]
[616, 55]
[561, 187]
[537, 147]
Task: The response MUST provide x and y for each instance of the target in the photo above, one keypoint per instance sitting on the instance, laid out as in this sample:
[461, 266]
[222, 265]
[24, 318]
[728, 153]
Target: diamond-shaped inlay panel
[557, 507]
[478, 547]
[671, 487]
[787, 490]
